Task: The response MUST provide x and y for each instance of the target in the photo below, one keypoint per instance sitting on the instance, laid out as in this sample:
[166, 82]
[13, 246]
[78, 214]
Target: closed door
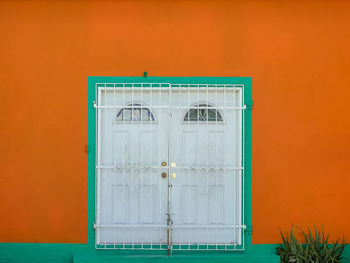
[132, 156]
[206, 147]
[169, 169]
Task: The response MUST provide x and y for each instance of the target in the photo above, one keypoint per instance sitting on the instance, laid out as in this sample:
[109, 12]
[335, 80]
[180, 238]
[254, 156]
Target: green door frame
[54, 252]
[246, 81]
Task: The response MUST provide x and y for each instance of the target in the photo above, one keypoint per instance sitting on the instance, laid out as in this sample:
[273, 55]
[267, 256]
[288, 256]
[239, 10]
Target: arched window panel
[203, 113]
[136, 113]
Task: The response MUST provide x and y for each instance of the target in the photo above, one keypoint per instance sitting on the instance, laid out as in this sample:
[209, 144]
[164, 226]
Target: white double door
[169, 167]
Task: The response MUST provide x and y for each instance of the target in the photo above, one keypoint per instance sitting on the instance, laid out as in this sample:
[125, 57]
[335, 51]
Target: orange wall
[297, 53]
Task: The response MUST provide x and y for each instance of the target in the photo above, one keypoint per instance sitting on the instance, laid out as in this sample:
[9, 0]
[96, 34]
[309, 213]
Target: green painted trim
[38, 252]
[246, 81]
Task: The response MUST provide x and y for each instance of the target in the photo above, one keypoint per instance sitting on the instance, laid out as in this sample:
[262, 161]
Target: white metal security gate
[169, 171]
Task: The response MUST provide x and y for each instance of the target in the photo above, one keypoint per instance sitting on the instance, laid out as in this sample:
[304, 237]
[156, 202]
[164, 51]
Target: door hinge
[87, 148]
[94, 226]
[248, 230]
[249, 104]
[94, 104]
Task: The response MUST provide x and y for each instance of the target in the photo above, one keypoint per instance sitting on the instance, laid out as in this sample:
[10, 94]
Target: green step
[178, 259]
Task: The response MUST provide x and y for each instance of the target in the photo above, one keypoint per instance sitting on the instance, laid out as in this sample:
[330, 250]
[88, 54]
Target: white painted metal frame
[118, 93]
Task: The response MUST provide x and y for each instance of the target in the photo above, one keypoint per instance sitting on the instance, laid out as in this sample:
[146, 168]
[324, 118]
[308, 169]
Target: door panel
[132, 206]
[206, 192]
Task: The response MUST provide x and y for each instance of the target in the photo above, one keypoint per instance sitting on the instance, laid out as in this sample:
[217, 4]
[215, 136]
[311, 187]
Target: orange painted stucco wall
[298, 53]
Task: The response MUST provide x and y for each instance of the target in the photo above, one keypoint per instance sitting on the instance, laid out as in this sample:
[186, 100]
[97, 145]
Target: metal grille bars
[164, 180]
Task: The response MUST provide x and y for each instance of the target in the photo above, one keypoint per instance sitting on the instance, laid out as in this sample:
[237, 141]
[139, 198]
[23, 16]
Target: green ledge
[178, 259]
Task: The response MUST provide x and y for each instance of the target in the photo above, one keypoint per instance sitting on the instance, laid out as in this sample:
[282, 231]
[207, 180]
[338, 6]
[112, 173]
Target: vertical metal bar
[158, 163]
[132, 148]
[169, 220]
[105, 179]
[179, 102]
[114, 177]
[216, 160]
[242, 164]
[188, 210]
[97, 171]
[152, 147]
[225, 171]
[99, 175]
[141, 162]
[235, 164]
[125, 167]
[197, 160]
[207, 171]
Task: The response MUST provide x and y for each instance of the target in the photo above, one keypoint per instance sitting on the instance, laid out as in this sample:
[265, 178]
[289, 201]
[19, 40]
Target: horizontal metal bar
[124, 84]
[130, 226]
[207, 248]
[133, 83]
[204, 244]
[130, 167]
[166, 107]
[211, 108]
[174, 249]
[145, 88]
[193, 227]
[138, 246]
[165, 167]
[189, 85]
[131, 244]
[208, 168]
[210, 226]
[129, 107]
[161, 244]
[133, 248]
[130, 89]
[175, 246]
[233, 246]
